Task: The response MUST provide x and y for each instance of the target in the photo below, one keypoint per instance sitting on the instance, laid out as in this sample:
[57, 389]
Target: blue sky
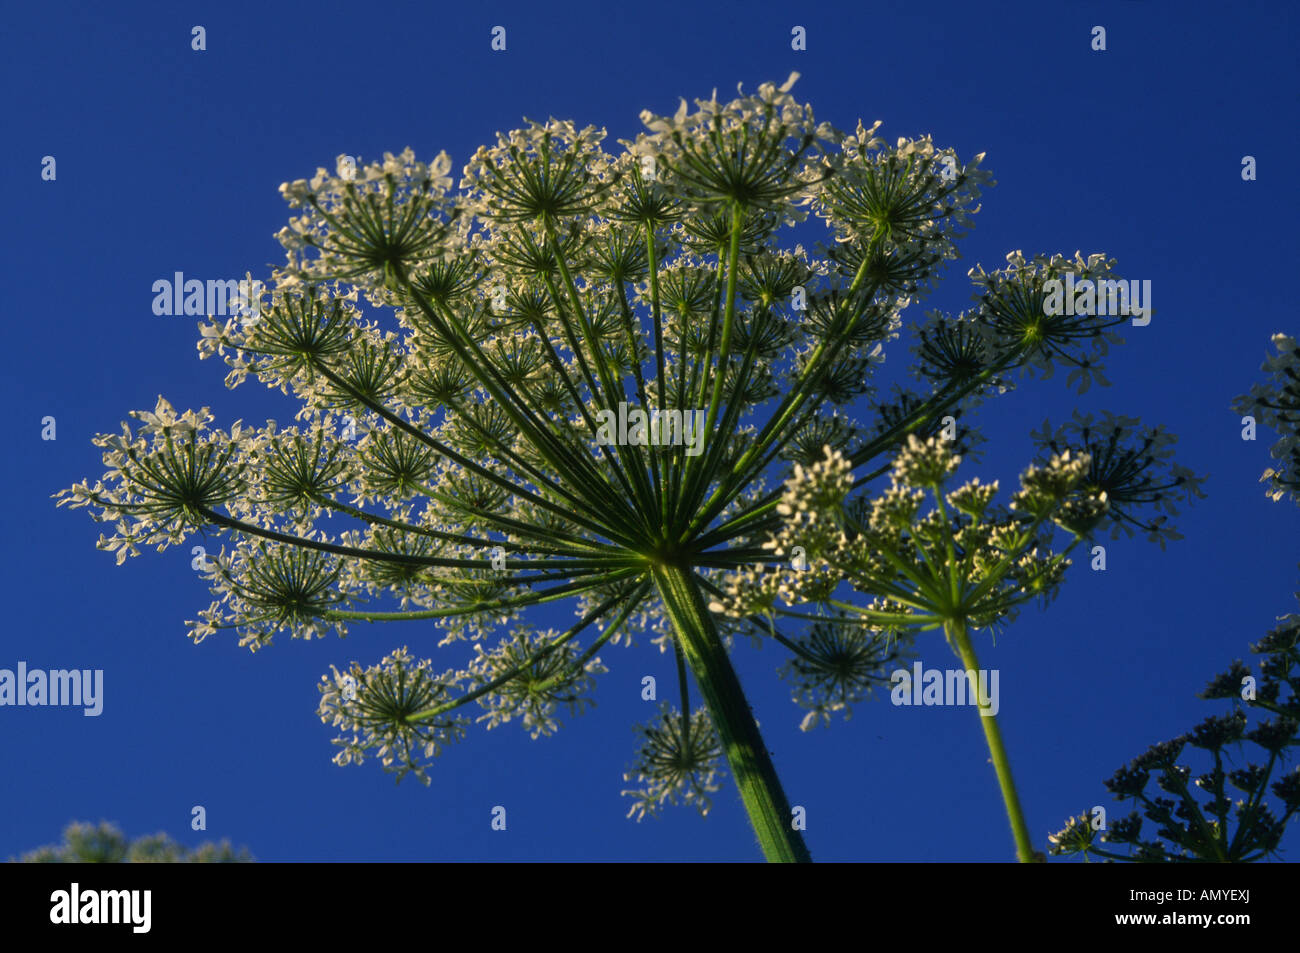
[169, 159]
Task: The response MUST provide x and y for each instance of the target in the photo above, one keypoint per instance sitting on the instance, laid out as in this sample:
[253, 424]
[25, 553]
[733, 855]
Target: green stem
[1025, 852]
[760, 788]
[696, 480]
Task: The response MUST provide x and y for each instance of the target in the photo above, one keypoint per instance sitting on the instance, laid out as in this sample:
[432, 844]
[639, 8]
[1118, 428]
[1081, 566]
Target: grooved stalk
[760, 788]
[1025, 852]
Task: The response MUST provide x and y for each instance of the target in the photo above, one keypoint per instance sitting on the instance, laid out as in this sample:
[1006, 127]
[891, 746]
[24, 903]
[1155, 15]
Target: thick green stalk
[760, 788]
[1025, 852]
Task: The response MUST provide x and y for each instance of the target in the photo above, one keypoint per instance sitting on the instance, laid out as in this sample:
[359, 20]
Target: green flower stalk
[579, 376]
[960, 565]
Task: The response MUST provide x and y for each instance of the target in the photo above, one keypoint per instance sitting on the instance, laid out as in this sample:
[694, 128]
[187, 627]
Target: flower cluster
[1194, 822]
[267, 588]
[839, 664]
[963, 561]
[954, 354]
[367, 225]
[924, 464]
[540, 679]
[548, 171]
[679, 763]
[750, 151]
[1130, 466]
[897, 212]
[161, 482]
[1013, 317]
[377, 706]
[1276, 404]
[812, 506]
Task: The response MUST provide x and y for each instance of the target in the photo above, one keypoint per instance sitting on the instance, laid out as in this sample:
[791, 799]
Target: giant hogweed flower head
[366, 225]
[539, 684]
[548, 172]
[581, 377]
[679, 762]
[839, 664]
[1014, 318]
[1132, 466]
[955, 352]
[166, 477]
[898, 211]
[376, 710]
[750, 152]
